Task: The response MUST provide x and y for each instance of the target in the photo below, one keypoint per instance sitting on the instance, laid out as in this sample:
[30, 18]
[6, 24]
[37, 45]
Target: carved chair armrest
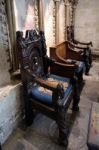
[83, 43]
[56, 88]
[79, 51]
[66, 64]
[75, 46]
[46, 84]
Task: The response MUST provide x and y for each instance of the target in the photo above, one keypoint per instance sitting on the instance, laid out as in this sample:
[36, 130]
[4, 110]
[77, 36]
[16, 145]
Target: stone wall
[10, 109]
[87, 21]
[4, 47]
[62, 22]
[10, 96]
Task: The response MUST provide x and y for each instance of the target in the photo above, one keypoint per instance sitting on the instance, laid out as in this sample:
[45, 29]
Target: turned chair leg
[80, 76]
[88, 62]
[63, 131]
[29, 116]
[76, 97]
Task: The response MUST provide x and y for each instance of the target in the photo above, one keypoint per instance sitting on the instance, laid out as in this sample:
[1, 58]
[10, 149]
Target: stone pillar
[67, 14]
[57, 20]
[62, 21]
[36, 12]
[12, 32]
[67, 9]
[73, 5]
[4, 46]
[41, 15]
[54, 24]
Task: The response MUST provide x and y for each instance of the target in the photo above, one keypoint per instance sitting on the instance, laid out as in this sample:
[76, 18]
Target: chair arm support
[83, 43]
[44, 83]
[65, 65]
[73, 45]
[76, 52]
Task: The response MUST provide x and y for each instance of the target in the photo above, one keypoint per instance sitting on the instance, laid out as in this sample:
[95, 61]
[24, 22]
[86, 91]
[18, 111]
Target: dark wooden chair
[85, 48]
[72, 59]
[48, 93]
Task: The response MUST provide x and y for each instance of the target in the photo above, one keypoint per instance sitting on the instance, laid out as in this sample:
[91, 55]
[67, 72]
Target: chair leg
[80, 76]
[88, 61]
[28, 113]
[63, 131]
[75, 106]
[0, 147]
[87, 68]
[90, 57]
[76, 97]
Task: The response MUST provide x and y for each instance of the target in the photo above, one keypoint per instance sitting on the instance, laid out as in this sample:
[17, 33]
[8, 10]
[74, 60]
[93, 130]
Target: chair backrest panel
[35, 61]
[31, 50]
[60, 52]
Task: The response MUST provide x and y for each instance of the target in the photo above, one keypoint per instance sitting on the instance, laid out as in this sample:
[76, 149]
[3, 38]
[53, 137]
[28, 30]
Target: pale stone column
[74, 10]
[41, 15]
[36, 12]
[67, 5]
[57, 20]
[67, 14]
[12, 32]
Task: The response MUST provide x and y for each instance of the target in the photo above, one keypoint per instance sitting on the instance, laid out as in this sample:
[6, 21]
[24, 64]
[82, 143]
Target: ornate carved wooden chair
[83, 48]
[71, 59]
[50, 94]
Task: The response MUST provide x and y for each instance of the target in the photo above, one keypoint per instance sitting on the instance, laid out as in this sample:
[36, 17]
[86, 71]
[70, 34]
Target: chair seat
[44, 95]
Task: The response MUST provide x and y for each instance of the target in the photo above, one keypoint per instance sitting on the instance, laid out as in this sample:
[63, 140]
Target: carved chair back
[60, 52]
[32, 51]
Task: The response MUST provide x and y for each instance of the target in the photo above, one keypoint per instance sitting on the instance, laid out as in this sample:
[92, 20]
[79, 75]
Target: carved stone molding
[36, 11]
[54, 22]
[41, 14]
[73, 5]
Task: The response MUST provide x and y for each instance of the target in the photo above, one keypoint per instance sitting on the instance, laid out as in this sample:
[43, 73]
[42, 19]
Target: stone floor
[43, 133]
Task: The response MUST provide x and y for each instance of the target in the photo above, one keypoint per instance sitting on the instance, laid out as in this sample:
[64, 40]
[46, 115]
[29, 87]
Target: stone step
[23, 144]
[95, 54]
[17, 142]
